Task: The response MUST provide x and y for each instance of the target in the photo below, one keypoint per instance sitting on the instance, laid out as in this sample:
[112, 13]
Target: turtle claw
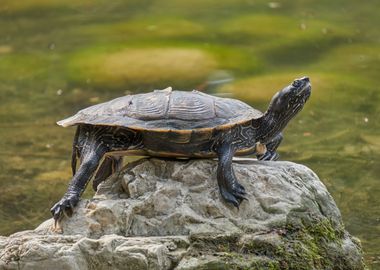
[236, 195]
[66, 204]
[229, 197]
[269, 156]
[240, 190]
[241, 187]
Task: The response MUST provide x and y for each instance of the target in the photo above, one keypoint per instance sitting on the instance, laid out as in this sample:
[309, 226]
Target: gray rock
[158, 214]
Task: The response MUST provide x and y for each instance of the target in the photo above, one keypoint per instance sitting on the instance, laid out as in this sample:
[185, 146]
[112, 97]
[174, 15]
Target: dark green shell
[164, 110]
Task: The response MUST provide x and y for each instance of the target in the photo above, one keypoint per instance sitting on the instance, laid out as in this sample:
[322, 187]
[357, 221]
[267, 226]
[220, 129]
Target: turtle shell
[164, 110]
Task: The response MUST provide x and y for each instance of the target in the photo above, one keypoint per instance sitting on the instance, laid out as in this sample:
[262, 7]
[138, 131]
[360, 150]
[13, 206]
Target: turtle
[177, 124]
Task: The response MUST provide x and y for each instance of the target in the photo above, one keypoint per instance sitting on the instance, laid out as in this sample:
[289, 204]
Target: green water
[56, 58]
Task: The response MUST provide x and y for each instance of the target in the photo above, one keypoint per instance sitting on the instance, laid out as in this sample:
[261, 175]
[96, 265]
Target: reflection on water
[56, 58]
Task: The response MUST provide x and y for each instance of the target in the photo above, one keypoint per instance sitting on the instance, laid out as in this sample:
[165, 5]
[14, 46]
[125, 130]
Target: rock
[163, 214]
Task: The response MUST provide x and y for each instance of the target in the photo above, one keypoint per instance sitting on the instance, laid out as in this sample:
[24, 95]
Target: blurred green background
[57, 57]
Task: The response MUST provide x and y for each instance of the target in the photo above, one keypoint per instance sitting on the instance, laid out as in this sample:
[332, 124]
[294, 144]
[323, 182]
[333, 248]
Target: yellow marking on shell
[181, 131]
[144, 152]
[137, 152]
[176, 137]
[201, 135]
[150, 153]
[261, 149]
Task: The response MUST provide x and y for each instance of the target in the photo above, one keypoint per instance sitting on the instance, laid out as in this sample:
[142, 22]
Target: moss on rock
[301, 246]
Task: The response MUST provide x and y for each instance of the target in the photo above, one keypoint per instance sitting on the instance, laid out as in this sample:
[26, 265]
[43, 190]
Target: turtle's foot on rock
[269, 155]
[64, 206]
[234, 194]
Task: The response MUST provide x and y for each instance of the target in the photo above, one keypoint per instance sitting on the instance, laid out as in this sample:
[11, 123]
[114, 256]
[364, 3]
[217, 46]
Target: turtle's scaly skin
[167, 123]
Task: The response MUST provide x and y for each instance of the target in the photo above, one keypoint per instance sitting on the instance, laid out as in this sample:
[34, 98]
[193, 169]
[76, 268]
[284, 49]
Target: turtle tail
[110, 165]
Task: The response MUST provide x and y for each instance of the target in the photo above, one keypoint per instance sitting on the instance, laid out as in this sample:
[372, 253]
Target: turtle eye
[296, 83]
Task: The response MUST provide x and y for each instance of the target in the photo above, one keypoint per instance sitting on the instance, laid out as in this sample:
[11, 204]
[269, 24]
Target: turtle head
[284, 106]
[290, 100]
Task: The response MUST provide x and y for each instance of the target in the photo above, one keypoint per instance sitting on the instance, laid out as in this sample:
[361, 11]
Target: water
[56, 58]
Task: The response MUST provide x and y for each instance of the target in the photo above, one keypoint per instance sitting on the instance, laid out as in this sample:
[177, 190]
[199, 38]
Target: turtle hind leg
[75, 152]
[272, 146]
[90, 162]
[110, 165]
[91, 151]
[230, 189]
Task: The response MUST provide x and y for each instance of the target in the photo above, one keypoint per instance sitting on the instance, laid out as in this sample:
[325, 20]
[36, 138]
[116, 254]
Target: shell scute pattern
[190, 107]
[151, 106]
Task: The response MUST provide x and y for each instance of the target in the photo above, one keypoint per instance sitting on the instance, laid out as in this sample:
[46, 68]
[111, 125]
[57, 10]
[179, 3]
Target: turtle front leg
[272, 146]
[230, 189]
